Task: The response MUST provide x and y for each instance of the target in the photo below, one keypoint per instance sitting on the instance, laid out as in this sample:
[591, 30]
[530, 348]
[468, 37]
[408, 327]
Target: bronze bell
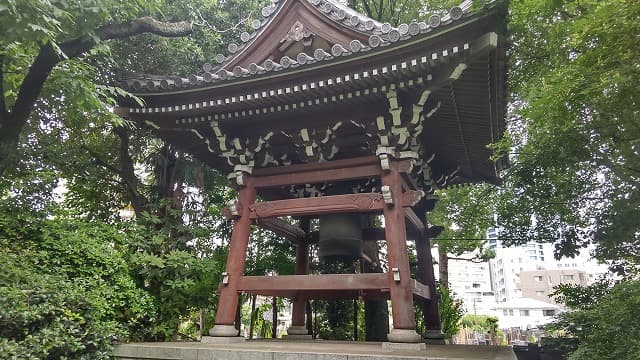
[340, 237]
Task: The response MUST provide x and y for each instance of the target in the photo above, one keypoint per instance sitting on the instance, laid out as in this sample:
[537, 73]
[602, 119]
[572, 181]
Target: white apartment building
[525, 313]
[509, 262]
[470, 281]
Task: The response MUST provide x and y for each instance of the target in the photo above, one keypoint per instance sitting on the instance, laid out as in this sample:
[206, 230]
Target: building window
[541, 258]
[524, 312]
[476, 286]
[505, 312]
[511, 312]
[539, 293]
[538, 278]
[568, 277]
[548, 312]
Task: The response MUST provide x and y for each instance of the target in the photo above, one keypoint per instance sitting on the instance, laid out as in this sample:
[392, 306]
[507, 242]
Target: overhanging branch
[144, 25]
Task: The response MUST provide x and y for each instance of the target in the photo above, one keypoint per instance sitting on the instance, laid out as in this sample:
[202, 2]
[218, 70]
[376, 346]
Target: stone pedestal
[223, 331]
[222, 339]
[403, 336]
[434, 337]
[404, 346]
[297, 333]
[297, 330]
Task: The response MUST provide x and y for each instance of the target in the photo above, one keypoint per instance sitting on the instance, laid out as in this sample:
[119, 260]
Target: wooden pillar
[228, 302]
[404, 322]
[298, 324]
[427, 277]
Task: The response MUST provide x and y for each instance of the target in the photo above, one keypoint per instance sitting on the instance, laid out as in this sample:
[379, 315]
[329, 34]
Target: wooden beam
[325, 294]
[314, 282]
[335, 164]
[350, 203]
[421, 290]
[318, 176]
[338, 170]
[281, 228]
[414, 220]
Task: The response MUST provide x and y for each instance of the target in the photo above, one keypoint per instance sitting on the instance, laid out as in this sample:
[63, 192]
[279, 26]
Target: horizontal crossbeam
[328, 286]
[351, 203]
[338, 170]
[281, 228]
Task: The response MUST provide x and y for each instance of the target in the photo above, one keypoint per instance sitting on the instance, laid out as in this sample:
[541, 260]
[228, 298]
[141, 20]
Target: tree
[465, 214]
[573, 134]
[39, 36]
[59, 101]
[600, 319]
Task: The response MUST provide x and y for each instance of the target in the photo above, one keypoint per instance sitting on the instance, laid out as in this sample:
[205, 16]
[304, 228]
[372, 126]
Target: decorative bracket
[238, 173]
[387, 195]
[396, 274]
[232, 210]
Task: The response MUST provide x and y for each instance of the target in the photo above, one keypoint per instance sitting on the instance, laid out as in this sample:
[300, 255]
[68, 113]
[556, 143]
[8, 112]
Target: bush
[605, 323]
[65, 292]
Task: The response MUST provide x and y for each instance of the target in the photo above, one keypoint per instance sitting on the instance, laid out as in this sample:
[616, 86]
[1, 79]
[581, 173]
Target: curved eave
[388, 39]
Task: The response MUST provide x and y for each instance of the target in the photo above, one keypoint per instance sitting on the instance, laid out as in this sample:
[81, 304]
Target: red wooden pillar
[298, 324]
[427, 277]
[404, 323]
[228, 302]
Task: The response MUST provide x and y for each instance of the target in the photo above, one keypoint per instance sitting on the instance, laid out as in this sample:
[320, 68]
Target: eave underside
[338, 106]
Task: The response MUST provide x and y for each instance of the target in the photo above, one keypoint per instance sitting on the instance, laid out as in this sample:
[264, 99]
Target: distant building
[538, 284]
[525, 313]
[509, 262]
[471, 282]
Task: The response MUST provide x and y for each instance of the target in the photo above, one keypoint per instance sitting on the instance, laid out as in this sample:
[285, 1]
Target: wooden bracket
[387, 195]
[232, 210]
[412, 197]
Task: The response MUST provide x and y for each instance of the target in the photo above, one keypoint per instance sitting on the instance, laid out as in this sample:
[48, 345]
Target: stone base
[222, 339]
[223, 331]
[403, 336]
[404, 346]
[434, 337]
[276, 349]
[297, 330]
[298, 337]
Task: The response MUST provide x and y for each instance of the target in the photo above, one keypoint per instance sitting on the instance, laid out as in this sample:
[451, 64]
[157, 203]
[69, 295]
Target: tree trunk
[443, 265]
[253, 315]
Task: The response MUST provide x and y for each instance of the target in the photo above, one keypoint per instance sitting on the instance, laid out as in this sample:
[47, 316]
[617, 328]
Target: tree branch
[3, 106]
[100, 161]
[473, 260]
[12, 121]
[144, 25]
[127, 172]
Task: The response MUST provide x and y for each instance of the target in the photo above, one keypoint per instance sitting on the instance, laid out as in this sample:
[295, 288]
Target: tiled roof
[379, 35]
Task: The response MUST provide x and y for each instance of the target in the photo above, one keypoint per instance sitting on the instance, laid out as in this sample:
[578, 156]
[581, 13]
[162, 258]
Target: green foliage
[605, 324]
[451, 311]
[465, 213]
[483, 323]
[65, 290]
[574, 131]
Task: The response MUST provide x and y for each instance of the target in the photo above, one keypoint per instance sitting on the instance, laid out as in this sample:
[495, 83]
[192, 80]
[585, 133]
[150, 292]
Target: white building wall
[470, 282]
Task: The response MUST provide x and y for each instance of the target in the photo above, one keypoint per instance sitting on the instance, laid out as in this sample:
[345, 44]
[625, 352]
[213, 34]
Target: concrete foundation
[304, 350]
